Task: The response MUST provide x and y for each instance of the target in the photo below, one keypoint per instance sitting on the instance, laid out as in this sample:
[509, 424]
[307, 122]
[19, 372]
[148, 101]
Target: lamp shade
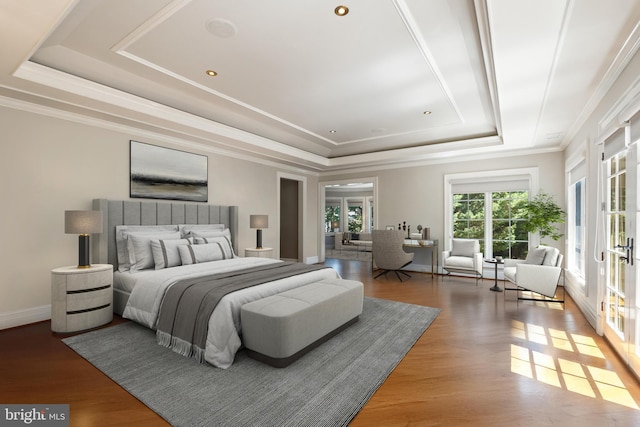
[259, 221]
[82, 222]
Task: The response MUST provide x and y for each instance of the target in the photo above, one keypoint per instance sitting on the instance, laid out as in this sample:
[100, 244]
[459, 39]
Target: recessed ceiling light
[333, 131]
[211, 73]
[426, 113]
[341, 10]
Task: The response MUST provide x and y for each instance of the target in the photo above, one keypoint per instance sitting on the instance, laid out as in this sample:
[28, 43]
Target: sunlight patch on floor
[541, 300]
[548, 368]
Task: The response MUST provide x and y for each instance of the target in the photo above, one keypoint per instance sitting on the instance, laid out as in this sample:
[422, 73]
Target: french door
[621, 301]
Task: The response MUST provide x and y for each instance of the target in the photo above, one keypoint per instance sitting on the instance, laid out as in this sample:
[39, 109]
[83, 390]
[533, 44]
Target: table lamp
[259, 222]
[83, 223]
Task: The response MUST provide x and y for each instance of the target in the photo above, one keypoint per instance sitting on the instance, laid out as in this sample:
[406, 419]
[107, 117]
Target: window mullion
[488, 225]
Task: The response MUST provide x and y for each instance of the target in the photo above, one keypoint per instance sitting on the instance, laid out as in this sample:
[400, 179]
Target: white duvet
[223, 339]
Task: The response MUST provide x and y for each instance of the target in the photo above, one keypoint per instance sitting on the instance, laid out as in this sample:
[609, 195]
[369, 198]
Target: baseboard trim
[12, 319]
[588, 310]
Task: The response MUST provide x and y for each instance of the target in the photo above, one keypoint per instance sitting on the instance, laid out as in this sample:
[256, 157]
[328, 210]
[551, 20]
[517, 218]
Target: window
[354, 217]
[483, 205]
[468, 216]
[576, 172]
[576, 230]
[492, 218]
[509, 238]
[331, 215]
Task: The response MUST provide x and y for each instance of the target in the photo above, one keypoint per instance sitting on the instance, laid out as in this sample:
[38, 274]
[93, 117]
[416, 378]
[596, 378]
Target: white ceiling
[498, 76]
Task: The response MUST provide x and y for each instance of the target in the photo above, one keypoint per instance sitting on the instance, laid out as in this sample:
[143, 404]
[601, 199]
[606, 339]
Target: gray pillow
[535, 256]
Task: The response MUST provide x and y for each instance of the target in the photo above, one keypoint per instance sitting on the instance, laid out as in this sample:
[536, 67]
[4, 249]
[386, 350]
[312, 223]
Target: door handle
[628, 249]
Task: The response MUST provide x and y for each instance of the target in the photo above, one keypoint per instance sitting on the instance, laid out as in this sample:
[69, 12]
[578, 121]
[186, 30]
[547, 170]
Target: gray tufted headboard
[129, 212]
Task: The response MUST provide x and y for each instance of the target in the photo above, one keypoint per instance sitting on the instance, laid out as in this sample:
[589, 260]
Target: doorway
[621, 300]
[292, 216]
[340, 198]
[289, 219]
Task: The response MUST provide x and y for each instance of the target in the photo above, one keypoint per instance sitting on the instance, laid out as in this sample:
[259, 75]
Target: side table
[81, 298]
[260, 253]
[495, 262]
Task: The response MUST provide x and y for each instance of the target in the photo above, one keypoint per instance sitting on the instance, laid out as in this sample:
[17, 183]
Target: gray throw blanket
[183, 320]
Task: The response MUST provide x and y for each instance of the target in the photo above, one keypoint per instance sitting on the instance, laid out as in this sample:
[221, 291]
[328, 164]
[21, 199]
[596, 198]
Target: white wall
[50, 165]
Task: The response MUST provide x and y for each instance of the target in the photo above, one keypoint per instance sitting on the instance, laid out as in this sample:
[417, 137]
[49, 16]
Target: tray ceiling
[393, 81]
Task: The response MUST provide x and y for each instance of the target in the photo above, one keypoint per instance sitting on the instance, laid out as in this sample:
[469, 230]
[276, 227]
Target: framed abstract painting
[164, 173]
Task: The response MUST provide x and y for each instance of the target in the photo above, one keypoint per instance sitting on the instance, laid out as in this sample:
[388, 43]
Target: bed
[140, 287]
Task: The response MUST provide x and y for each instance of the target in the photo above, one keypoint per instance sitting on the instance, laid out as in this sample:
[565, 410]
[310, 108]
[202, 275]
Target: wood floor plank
[485, 361]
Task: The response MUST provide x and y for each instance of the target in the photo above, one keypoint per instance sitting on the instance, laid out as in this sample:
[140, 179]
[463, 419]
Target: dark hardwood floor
[485, 361]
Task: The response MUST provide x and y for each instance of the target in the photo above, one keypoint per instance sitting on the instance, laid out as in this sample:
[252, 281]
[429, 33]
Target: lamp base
[84, 245]
[259, 238]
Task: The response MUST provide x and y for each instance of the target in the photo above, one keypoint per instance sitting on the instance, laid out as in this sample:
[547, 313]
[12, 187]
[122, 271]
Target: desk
[426, 244]
[495, 262]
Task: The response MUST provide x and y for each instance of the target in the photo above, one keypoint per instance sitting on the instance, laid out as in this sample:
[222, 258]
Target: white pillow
[198, 235]
[196, 254]
[165, 252]
[186, 229]
[139, 247]
[550, 256]
[211, 233]
[535, 256]
[223, 241]
[121, 239]
[464, 247]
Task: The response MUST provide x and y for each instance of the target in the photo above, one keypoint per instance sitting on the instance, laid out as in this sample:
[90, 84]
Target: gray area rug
[326, 387]
[349, 254]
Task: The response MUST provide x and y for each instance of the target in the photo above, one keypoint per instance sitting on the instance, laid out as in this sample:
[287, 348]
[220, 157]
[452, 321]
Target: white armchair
[539, 273]
[464, 257]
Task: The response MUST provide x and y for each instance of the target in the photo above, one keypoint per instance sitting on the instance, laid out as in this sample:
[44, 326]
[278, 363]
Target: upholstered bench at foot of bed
[281, 328]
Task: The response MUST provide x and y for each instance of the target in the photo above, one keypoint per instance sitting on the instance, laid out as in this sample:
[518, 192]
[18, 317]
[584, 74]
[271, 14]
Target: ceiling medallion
[341, 10]
[211, 73]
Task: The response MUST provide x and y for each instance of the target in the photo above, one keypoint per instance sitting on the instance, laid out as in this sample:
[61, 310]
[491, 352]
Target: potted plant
[542, 213]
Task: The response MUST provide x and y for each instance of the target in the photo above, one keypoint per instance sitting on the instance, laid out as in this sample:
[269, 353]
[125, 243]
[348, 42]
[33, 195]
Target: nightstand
[260, 253]
[81, 298]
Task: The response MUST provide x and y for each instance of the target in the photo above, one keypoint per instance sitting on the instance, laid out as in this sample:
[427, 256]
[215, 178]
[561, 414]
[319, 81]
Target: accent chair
[464, 257]
[539, 272]
[388, 254]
